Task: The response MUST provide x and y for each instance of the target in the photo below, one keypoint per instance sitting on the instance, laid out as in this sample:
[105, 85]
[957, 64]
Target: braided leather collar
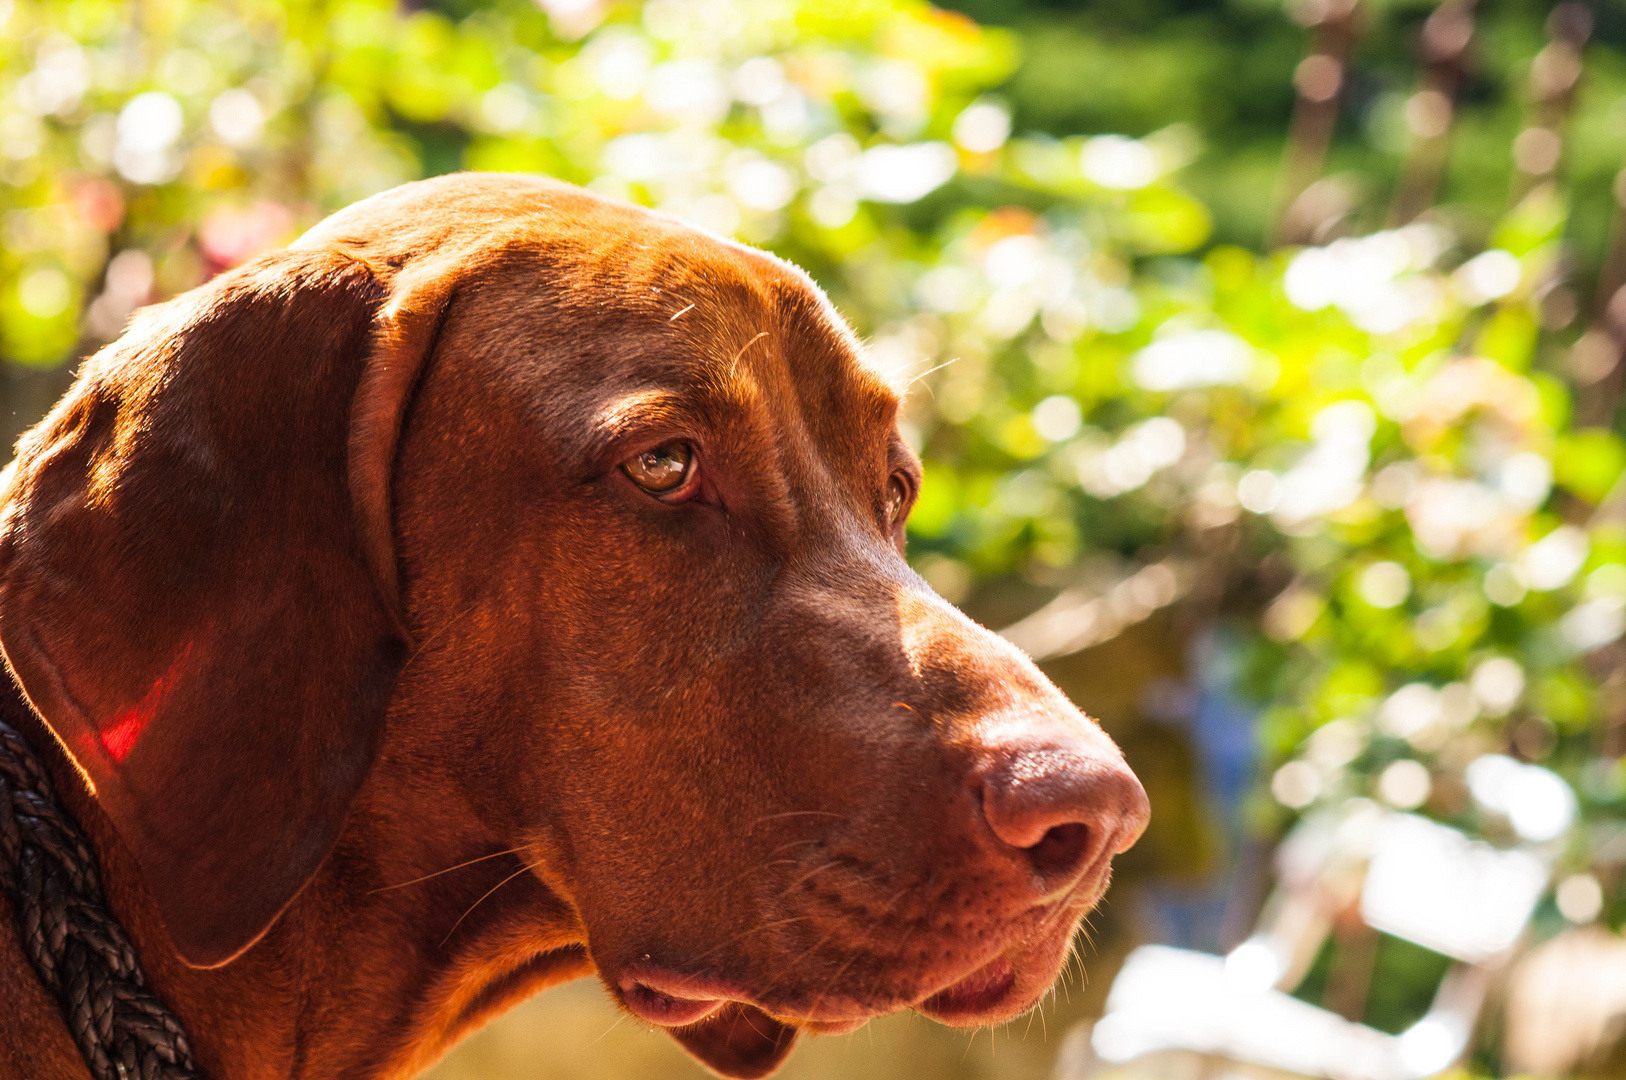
[81, 953]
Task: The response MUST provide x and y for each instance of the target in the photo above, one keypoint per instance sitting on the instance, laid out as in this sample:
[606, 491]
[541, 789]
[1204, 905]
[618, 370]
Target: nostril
[1061, 808]
[1061, 850]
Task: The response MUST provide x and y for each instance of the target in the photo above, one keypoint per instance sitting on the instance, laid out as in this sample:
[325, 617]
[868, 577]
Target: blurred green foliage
[1361, 460]
[1227, 66]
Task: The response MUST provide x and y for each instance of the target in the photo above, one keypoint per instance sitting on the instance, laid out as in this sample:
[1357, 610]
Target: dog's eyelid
[902, 487]
[903, 461]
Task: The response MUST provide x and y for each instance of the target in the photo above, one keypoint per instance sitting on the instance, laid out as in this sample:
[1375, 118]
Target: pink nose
[1064, 804]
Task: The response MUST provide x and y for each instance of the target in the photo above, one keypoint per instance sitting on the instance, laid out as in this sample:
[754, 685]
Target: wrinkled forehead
[673, 328]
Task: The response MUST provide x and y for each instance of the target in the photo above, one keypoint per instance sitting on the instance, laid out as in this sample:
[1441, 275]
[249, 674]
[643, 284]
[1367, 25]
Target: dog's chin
[738, 1041]
[742, 1042]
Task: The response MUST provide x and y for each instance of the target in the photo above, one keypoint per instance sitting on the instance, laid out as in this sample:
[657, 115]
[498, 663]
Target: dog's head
[621, 507]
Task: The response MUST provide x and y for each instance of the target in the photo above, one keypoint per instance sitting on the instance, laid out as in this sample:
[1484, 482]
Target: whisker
[751, 1022]
[685, 311]
[880, 976]
[477, 903]
[796, 813]
[620, 1016]
[928, 371]
[760, 335]
[842, 970]
[765, 866]
[796, 843]
[809, 876]
[809, 951]
[783, 893]
[448, 870]
[831, 981]
[439, 632]
[743, 934]
[817, 945]
[753, 871]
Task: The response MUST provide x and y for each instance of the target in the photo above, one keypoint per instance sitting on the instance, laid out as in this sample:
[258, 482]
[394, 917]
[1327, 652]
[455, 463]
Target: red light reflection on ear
[119, 737]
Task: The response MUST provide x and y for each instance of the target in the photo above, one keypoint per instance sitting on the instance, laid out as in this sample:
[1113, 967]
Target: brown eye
[663, 469]
[897, 494]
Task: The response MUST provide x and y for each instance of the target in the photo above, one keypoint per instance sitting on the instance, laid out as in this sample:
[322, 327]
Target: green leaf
[1589, 462]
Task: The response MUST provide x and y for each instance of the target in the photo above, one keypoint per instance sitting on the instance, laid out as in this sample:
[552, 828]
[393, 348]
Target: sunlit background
[1267, 370]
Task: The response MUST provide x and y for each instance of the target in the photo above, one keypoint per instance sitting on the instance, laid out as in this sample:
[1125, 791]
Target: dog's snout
[1064, 807]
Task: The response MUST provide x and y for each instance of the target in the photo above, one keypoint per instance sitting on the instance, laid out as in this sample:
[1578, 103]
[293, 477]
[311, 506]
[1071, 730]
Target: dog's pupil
[663, 467]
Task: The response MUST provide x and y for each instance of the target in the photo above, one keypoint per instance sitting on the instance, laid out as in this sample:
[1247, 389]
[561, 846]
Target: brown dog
[503, 584]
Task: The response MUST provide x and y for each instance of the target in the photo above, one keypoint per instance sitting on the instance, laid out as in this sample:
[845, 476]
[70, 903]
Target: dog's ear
[194, 596]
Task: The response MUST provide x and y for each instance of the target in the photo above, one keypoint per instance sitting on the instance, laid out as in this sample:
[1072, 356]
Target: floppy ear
[192, 598]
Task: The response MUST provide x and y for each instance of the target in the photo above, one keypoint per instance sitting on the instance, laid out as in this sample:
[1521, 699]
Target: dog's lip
[665, 1008]
[680, 985]
[670, 999]
[832, 1027]
[673, 999]
[979, 993]
[1013, 981]
[1003, 986]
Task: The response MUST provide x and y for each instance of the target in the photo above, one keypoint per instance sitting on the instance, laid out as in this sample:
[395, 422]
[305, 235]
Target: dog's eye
[897, 495]
[663, 469]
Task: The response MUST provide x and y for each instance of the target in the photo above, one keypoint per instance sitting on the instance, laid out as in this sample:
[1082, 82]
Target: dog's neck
[369, 973]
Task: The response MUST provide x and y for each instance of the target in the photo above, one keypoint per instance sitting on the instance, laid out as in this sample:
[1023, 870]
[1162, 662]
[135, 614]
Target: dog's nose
[1065, 805]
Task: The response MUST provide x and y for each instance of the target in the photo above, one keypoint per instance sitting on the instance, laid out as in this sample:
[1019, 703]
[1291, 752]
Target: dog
[503, 584]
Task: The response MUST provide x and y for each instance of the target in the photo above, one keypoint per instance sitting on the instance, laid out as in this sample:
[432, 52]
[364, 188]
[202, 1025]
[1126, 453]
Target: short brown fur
[387, 699]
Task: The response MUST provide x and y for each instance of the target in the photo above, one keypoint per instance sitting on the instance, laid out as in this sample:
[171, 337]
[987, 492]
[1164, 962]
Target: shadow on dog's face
[785, 786]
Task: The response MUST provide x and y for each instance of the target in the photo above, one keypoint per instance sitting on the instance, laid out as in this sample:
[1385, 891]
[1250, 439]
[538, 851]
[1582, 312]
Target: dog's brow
[695, 407]
[644, 408]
